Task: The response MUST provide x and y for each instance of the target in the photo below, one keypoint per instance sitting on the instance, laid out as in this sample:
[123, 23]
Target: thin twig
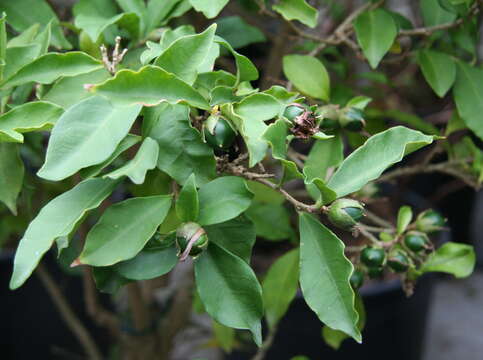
[68, 315]
[267, 343]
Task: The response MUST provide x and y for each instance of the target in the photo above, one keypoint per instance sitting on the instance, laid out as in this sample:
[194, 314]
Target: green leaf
[378, 153]
[359, 102]
[434, 14]
[280, 286]
[236, 236]
[258, 107]
[22, 14]
[68, 91]
[146, 159]
[183, 152]
[184, 57]
[3, 44]
[11, 175]
[276, 135]
[157, 11]
[85, 135]
[452, 258]
[324, 277]
[438, 69]
[404, 217]
[468, 95]
[26, 37]
[324, 155]
[272, 221]
[209, 8]
[187, 204]
[245, 70]
[229, 290]
[297, 10]
[56, 219]
[108, 280]
[17, 57]
[225, 336]
[376, 31]
[49, 67]
[124, 229]
[32, 116]
[148, 264]
[149, 86]
[308, 74]
[238, 33]
[223, 199]
[415, 122]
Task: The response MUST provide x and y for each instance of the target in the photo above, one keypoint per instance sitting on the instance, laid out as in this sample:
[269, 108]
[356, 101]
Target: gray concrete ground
[455, 330]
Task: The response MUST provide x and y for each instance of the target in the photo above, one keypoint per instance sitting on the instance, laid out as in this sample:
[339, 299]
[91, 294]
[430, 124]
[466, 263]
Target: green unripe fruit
[416, 241]
[345, 213]
[430, 221]
[357, 279]
[373, 257]
[398, 262]
[219, 134]
[191, 239]
[375, 272]
[292, 111]
[352, 119]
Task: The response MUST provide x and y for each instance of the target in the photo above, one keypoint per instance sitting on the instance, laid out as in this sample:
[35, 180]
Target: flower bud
[352, 119]
[398, 261]
[191, 239]
[373, 257]
[218, 132]
[430, 221]
[417, 241]
[345, 213]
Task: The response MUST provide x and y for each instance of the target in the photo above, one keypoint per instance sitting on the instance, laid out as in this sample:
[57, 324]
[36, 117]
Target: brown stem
[68, 315]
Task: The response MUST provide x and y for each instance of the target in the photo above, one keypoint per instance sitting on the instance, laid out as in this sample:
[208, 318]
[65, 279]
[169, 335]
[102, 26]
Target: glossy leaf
[276, 135]
[438, 69]
[468, 92]
[452, 258]
[236, 236]
[376, 31]
[184, 57]
[149, 86]
[229, 290]
[11, 175]
[49, 67]
[258, 107]
[324, 155]
[32, 116]
[56, 219]
[148, 264]
[135, 169]
[182, 151]
[245, 70]
[272, 221]
[85, 135]
[280, 286]
[324, 276]
[404, 217]
[223, 199]
[187, 204]
[237, 32]
[378, 153]
[209, 8]
[308, 75]
[434, 14]
[297, 10]
[124, 229]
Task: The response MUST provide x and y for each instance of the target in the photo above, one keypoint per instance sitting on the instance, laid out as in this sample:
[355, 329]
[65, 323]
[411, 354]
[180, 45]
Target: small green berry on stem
[398, 262]
[345, 213]
[373, 257]
[430, 221]
[417, 241]
[191, 240]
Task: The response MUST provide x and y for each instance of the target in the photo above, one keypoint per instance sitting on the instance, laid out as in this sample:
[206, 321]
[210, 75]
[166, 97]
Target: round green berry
[373, 257]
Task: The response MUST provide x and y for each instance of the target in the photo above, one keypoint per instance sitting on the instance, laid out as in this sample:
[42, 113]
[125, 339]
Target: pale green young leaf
[439, 70]
[404, 218]
[124, 229]
[148, 264]
[3, 44]
[324, 155]
[149, 86]
[452, 258]
[245, 70]
[26, 37]
[183, 152]
[209, 8]
[359, 102]
[297, 10]
[157, 11]
[223, 199]
[32, 116]
[56, 219]
[187, 204]
[258, 107]
[185, 55]
[49, 67]
[468, 95]
[11, 175]
[238, 33]
[434, 14]
[43, 38]
[276, 135]
[280, 286]
[85, 135]
[229, 290]
[135, 169]
[324, 277]
[19, 56]
[308, 74]
[376, 31]
[377, 154]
